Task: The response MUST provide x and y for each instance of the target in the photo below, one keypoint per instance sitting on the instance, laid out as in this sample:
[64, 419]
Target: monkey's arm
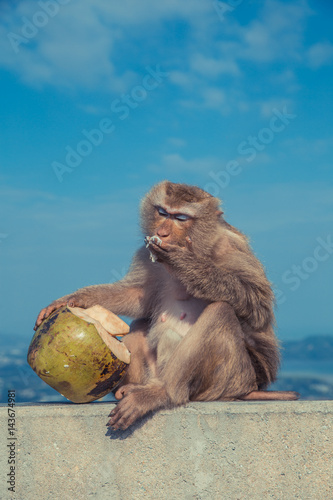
[133, 296]
[235, 277]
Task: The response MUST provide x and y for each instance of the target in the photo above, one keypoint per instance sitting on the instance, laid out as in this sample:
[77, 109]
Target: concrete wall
[239, 450]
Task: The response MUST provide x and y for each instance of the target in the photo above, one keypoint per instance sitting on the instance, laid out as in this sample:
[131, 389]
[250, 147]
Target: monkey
[202, 306]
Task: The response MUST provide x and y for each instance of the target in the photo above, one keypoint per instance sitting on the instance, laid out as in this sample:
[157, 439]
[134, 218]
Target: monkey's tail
[271, 395]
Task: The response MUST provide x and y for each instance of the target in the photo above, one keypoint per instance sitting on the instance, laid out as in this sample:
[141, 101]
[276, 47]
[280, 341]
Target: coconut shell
[68, 352]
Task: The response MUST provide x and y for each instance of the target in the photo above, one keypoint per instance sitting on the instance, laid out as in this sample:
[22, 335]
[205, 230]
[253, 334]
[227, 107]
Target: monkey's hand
[168, 253]
[73, 300]
[148, 241]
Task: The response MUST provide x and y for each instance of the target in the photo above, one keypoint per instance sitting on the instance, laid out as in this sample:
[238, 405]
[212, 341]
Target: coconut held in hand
[73, 352]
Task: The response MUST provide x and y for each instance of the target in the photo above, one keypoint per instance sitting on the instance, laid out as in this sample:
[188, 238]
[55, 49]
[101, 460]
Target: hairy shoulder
[233, 252]
[230, 241]
[142, 269]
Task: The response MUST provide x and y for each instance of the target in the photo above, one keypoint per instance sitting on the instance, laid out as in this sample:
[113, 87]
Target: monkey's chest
[179, 315]
[174, 320]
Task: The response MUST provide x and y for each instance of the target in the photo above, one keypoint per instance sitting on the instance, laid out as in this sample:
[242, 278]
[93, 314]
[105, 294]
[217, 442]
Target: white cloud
[275, 35]
[207, 97]
[211, 67]
[27, 208]
[182, 78]
[177, 142]
[213, 98]
[130, 12]
[285, 79]
[310, 149]
[79, 44]
[320, 54]
[73, 46]
[269, 207]
[85, 46]
[175, 162]
[267, 107]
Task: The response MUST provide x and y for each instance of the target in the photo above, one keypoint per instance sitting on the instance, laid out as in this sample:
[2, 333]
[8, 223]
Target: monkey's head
[176, 211]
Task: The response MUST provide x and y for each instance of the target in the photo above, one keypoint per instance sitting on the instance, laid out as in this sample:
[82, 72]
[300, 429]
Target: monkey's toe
[124, 390]
[124, 415]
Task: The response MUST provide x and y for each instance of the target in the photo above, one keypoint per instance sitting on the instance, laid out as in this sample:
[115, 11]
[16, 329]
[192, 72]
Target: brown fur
[208, 333]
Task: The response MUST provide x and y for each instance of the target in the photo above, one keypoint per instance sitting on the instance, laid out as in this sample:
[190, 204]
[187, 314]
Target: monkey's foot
[135, 403]
[127, 411]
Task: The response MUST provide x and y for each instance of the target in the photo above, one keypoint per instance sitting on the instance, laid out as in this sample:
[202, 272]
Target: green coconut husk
[75, 354]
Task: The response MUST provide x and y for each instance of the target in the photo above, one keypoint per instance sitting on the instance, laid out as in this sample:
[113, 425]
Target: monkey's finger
[156, 244]
[157, 250]
[124, 390]
[119, 394]
[189, 243]
[165, 247]
[45, 313]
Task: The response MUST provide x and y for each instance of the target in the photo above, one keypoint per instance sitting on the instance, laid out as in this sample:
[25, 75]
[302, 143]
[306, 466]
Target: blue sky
[100, 100]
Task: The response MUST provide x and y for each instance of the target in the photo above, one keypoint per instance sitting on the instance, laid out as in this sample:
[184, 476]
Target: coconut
[75, 351]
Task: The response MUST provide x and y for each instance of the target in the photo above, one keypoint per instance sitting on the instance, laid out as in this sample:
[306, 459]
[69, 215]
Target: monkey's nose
[162, 233]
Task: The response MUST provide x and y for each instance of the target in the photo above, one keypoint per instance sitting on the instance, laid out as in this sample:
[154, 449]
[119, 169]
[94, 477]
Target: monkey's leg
[209, 363]
[143, 361]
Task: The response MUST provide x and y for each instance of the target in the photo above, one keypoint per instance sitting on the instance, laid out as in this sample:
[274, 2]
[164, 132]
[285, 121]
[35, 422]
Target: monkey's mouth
[152, 239]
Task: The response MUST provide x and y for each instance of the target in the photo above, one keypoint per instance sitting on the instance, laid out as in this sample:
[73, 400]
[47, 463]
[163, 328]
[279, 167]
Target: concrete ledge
[238, 450]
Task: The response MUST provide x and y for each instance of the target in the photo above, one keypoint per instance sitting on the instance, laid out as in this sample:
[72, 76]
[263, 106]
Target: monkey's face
[171, 225]
[178, 214]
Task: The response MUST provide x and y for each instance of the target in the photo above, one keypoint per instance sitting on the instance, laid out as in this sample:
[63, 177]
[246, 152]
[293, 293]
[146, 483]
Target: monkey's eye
[182, 217]
[162, 212]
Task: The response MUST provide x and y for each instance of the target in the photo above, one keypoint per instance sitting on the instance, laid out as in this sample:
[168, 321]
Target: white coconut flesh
[155, 239]
[107, 325]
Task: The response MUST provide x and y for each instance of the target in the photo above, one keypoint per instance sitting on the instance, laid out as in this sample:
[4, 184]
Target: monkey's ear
[219, 212]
